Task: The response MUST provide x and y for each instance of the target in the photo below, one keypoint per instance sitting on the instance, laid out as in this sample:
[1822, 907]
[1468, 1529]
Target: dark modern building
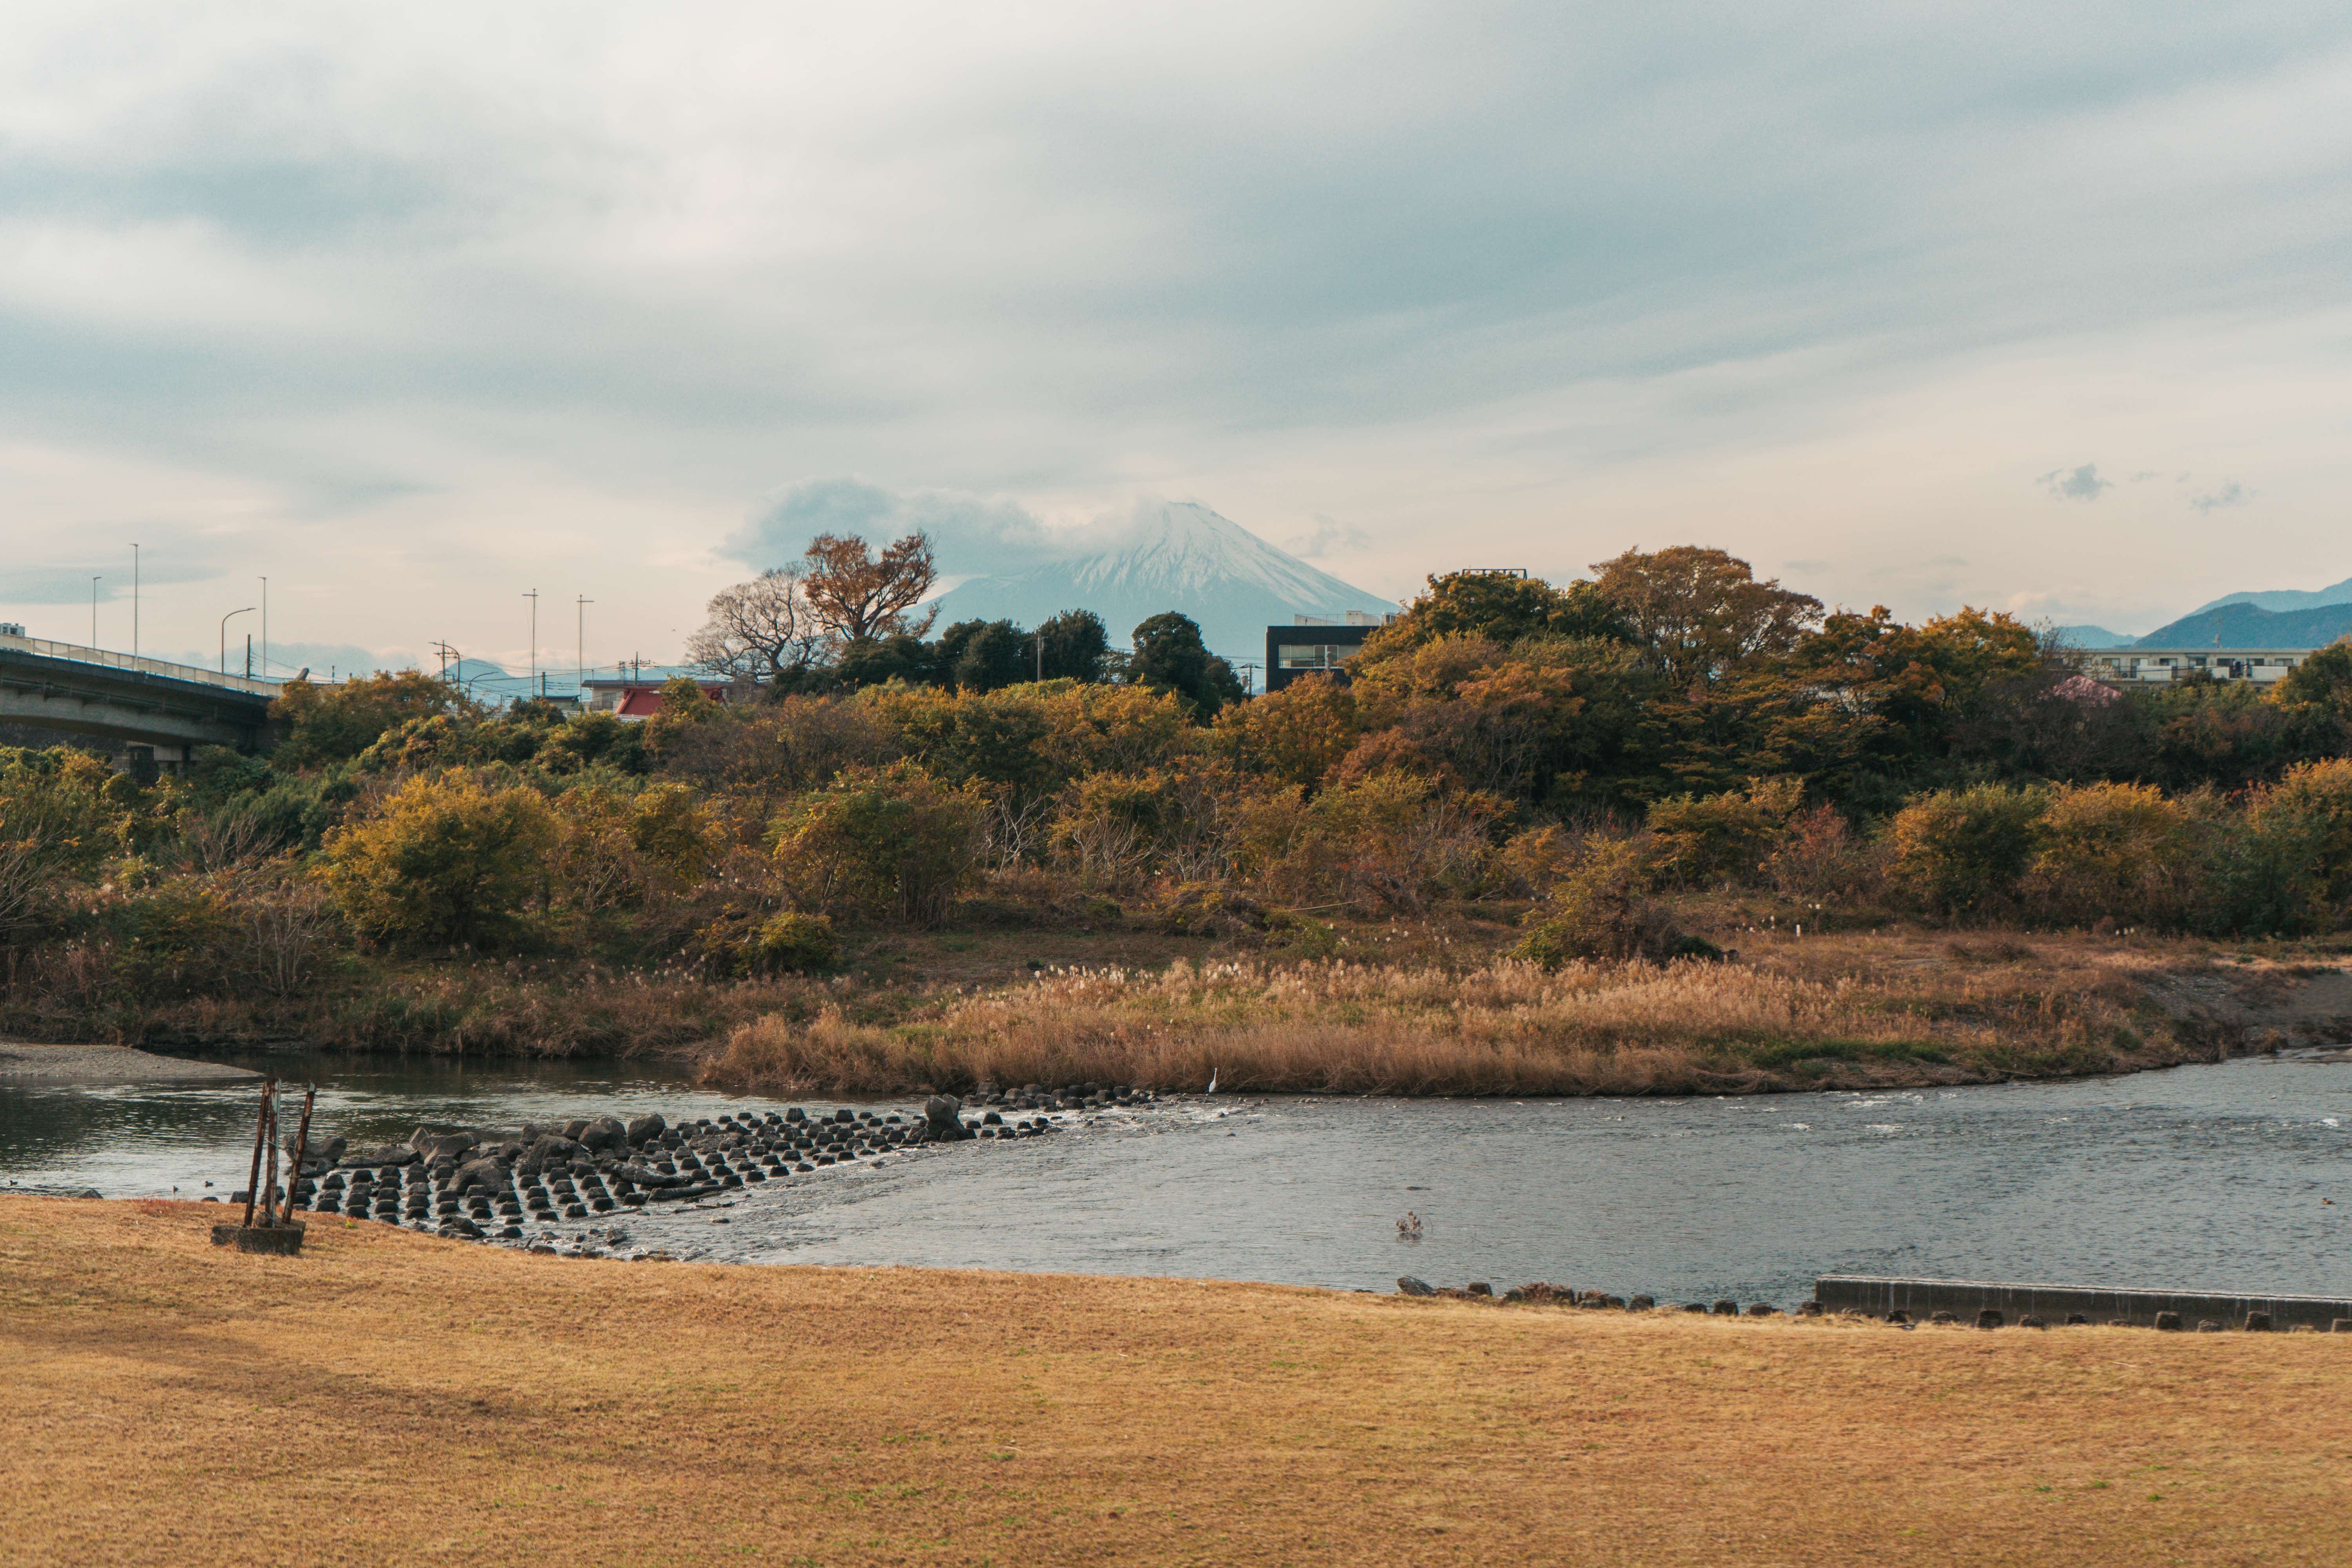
[1315, 647]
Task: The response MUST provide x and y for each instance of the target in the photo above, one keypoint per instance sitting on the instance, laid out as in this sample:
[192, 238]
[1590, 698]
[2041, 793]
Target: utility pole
[135, 600]
[447, 653]
[225, 621]
[1040, 640]
[533, 597]
[248, 656]
[265, 635]
[94, 582]
[579, 649]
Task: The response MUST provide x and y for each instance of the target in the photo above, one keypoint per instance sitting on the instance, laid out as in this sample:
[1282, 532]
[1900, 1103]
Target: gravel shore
[22, 1064]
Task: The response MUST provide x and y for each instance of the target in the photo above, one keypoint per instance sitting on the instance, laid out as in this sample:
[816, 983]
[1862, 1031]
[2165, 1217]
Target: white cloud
[2230, 492]
[2075, 484]
[1327, 539]
[424, 305]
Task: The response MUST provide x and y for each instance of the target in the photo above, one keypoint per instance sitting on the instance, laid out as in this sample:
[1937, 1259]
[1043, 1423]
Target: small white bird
[1212, 1080]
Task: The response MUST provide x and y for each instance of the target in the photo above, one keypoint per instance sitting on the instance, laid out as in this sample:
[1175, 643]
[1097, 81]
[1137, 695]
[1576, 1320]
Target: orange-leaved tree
[861, 596]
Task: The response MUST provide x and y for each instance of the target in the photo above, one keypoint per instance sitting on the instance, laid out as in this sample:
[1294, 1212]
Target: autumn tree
[336, 722]
[890, 840]
[860, 596]
[1294, 736]
[444, 860]
[1697, 613]
[1505, 606]
[766, 630]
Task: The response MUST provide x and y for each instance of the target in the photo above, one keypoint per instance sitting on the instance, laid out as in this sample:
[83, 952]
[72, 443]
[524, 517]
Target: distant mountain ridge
[1174, 555]
[2239, 624]
[2094, 636]
[2279, 617]
[2285, 598]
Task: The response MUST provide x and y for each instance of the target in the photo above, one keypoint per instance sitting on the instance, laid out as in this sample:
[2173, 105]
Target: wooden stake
[269, 1179]
[301, 1153]
[260, 1135]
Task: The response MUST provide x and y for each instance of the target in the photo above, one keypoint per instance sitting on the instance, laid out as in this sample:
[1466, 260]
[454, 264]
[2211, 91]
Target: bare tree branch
[760, 630]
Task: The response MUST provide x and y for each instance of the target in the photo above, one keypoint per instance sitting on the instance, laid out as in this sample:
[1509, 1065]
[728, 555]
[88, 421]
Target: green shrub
[1963, 851]
[1300, 936]
[444, 860]
[1601, 909]
[790, 942]
[891, 840]
[176, 938]
[2314, 805]
[2112, 850]
[1732, 835]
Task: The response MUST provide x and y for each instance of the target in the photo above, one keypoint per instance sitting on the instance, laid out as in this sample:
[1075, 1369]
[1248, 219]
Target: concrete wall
[2052, 1303]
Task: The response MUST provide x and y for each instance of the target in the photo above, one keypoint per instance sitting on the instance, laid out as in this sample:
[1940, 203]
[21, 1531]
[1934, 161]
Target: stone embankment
[487, 1184]
[1933, 1301]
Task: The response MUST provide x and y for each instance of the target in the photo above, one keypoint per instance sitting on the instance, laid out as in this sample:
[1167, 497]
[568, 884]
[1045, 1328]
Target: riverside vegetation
[1545, 839]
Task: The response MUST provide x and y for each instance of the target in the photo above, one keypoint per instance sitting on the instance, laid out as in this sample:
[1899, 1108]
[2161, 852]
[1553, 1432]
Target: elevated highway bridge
[153, 711]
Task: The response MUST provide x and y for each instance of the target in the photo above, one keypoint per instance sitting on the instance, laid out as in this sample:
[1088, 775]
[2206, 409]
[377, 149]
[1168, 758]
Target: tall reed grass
[1505, 1028]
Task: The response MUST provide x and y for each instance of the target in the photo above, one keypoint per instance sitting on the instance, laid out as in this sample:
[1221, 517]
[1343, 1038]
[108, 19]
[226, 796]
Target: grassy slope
[389, 1398]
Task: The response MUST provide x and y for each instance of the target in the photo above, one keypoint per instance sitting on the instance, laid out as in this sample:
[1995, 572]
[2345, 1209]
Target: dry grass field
[387, 1399]
[1849, 1010]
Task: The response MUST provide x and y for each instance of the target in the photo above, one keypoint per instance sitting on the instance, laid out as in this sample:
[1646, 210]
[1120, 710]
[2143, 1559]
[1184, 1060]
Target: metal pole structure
[533, 597]
[1041, 656]
[94, 582]
[580, 650]
[135, 600]
[260, 1131]
[248, 656]
[301, 1153]
[265, 630]
[224, 635]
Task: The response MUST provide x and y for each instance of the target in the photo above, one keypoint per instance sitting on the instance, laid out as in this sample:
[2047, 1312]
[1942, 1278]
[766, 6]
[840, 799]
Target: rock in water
[1409, 1286]
[321, 1150]
[646, 1127]
[431, 1146]
[944, 1115]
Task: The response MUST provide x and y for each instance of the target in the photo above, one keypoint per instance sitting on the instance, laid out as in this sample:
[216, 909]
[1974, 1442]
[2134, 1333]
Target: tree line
[1571, 753]
[845, 616]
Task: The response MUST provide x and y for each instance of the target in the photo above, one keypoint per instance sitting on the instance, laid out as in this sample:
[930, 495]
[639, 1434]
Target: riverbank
[390, 1398]
[1414, 1008]
[26, 1064]
[1865, 1010]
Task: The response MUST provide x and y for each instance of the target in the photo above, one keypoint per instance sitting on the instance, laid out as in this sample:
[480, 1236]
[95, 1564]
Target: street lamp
[94, 582]
[224, 635]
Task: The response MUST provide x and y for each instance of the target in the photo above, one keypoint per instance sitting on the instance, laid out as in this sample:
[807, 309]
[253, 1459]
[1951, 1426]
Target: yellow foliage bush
[443, 859]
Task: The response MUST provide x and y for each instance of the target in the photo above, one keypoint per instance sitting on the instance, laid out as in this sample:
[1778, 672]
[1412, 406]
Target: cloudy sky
[415, 309]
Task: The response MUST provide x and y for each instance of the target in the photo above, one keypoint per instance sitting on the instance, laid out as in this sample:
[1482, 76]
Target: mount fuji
[1171, 556]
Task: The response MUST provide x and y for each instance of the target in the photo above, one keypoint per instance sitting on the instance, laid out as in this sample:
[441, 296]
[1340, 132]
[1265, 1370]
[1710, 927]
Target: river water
[2224, 1177]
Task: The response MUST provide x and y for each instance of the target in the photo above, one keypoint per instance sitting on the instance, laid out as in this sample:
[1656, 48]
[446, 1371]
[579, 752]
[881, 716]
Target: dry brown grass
[1833, 1012]
[388, 1399]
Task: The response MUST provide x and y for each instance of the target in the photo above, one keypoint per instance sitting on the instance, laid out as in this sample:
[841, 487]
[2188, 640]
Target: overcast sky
[414, 309]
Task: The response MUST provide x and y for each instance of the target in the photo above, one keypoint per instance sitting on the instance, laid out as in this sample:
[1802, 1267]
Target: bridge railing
[47, 649]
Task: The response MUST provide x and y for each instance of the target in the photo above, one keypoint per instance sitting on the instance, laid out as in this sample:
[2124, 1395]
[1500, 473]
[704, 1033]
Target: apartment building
[2140, 665]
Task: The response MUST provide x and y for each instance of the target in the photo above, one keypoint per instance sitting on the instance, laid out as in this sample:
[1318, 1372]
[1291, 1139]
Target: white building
[2140, 665]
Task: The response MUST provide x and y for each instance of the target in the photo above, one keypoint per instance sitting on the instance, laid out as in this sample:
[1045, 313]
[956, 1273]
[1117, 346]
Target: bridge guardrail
[45, 648]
